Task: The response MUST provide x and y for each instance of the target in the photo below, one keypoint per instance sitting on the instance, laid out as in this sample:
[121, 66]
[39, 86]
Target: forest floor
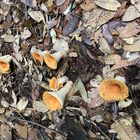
[69, 69]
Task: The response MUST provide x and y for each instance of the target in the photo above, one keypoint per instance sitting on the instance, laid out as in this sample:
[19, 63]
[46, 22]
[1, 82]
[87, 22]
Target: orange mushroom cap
[50, 61]
[51, 101]
[113, 90]
[53, 84]
[4, 67]
[37, 57]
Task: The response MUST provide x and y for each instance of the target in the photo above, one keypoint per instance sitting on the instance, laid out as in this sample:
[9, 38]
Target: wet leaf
[108, 4]
[131, 14]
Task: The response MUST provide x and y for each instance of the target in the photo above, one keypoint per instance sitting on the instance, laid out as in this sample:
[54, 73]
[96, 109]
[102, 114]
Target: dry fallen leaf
[125, 63]
[125, 131]
[22, 104]
[22, 130]
[132, 48]
[111, 59]
[97, 17]
[136, 3]
[40, 106]
[25, 34]
[131, 14]
[9, 38]
[88, 5]
[31, 3]
[130, 30]
[37, 16]
[112, 5]
[6, 132]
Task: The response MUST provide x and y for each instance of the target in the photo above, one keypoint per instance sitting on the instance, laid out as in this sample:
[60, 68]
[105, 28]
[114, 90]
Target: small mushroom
[37, 54]
[5, 64]
[55, 84]
[52, 60]
[113, 90]
[55, 100]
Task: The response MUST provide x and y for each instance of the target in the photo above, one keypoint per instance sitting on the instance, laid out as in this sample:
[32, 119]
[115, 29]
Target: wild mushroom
[37, 54]
[52, 60]
[5, 64]
[113, 90]
[55, 84]
[55, 100]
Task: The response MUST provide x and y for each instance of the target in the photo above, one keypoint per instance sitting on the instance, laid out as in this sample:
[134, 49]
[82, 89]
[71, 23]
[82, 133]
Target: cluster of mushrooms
[108, 89]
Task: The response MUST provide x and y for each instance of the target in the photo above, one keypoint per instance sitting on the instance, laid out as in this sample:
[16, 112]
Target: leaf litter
[94, 44]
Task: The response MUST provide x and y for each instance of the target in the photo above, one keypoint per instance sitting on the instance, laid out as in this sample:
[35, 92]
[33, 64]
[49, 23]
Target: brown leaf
[132, 48]
[6, 132]
[88, 5]
[125, 131]
[22, 130]
[131, 14]
[97, 17]
[131, 29]
[125, 63]
[108, 4]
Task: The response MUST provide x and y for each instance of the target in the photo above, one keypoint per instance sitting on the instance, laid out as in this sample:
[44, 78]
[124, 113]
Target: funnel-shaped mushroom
[37, 54]
[55, 84]
[113, 90]
[4, 64]
[52, 60]
[55, 100]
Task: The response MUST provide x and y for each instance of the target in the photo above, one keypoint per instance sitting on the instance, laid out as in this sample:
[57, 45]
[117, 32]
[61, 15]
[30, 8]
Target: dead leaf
[40, 106]
[131, 14]
[136, 3]
[132, 48]
[97, 17]
[22, 130]
[125, 63]
[25, 34]
[104, 46]
[31, 3]
[88, 5]
[22, 104]
[96, 100]
[112, 5]
[125, 132]
[59, 2]
[6, 132]
[131, 29]
[37, 16]
[9, 38]
[111, 59]
[79, 86]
